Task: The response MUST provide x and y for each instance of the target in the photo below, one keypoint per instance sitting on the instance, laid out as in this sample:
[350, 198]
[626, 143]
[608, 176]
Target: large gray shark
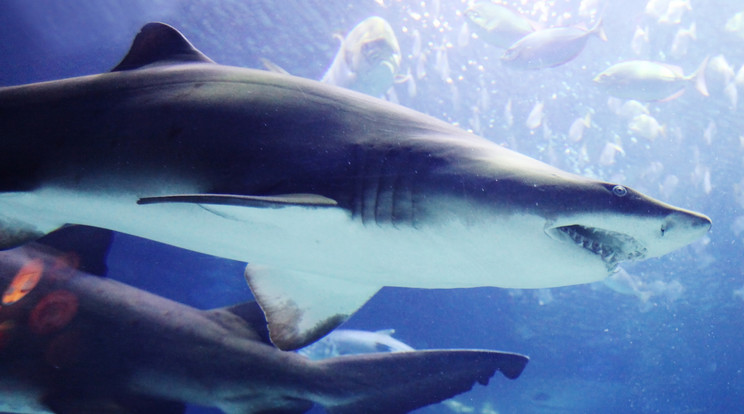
[328, 193]
[72, 343]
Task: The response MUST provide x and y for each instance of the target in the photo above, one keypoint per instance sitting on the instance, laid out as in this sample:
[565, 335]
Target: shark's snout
[685, 225]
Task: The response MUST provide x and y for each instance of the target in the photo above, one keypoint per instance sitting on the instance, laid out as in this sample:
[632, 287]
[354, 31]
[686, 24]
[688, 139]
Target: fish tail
[397, 383]
[699, 77]
[598, 29]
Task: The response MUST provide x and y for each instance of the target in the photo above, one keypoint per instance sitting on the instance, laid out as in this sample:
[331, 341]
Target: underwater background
[669, 342]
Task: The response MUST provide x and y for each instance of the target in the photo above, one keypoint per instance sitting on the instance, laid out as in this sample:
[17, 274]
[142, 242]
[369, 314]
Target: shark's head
[536, 226]
[615, 223]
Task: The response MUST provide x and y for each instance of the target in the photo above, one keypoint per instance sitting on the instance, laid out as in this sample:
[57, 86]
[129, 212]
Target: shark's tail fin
[393, 383]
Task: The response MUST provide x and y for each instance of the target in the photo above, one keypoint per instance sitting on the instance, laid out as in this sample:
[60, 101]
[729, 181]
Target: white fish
[656, 8]
[508, 114]
[735, 24]
[710, 132]
[630, 109]
[739, 293]
[719, 74]
[669, 185]
[607, 156]
[646, 80]
[682, 40]
[739, 78]
[588, 8]
[639, 43]
[549, 48]
[368, 59]
[354, 342]
[675, 11]
[626, 284]
[497, 24]
[535, 118]
[647, 127]
[732, 95]
[576, 130]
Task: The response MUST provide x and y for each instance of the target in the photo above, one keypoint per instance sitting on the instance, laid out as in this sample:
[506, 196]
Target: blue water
[592, 349]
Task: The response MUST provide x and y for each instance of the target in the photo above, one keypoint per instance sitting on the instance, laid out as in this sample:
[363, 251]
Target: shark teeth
[612, 247]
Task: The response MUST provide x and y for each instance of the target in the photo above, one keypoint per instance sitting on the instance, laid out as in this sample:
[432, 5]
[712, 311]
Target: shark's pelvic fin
[300, 307]
[280, 200]
[158, 43]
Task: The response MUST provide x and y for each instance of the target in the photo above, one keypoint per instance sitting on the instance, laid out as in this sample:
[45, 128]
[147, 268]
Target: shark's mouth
[612, 247]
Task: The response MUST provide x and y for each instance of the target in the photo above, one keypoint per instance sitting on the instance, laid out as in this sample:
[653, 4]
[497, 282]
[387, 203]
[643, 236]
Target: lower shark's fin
[300, 307]
[394, 383]
[280, 200]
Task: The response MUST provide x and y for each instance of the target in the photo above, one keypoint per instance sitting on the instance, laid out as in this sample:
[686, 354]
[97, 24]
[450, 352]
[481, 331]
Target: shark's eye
[619, 191]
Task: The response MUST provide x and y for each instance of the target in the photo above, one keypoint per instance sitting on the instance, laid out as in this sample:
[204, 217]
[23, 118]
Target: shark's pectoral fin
[301, 307]
[272, 201]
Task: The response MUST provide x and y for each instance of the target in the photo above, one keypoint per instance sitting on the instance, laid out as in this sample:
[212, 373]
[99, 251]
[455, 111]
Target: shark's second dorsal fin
[158, 43]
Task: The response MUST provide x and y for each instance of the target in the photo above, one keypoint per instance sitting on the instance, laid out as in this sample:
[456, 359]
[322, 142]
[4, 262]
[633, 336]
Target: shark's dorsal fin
[158, 43]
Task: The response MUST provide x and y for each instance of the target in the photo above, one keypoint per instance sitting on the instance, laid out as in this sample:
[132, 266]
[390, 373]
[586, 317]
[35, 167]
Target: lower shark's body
[329, 194]
[75, 343]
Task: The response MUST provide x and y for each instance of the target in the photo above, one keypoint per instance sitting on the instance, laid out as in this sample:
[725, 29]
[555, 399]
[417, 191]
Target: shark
[72, 342]
[327, 193]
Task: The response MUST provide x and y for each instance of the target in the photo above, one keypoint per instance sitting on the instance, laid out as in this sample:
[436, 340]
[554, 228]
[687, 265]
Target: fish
[368, 60]
[639, 43]
[536, 116]
[589, 8]
[647, 127]
[327, 193]
[549, 48]
[354, 342]
[625, 283]
[735, 25]
[646, 80]
[657, 8]
[79, 343]
[682, 40]
[719, 74]
[496, 24]
[578, 126]
[675, 11]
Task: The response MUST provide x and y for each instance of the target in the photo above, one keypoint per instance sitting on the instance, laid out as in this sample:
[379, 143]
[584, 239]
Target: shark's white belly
[460, 248]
